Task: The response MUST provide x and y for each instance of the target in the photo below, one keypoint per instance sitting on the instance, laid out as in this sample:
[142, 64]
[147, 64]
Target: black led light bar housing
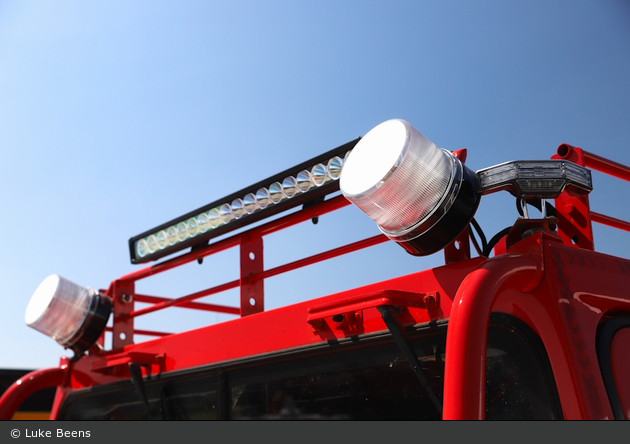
[201, 239]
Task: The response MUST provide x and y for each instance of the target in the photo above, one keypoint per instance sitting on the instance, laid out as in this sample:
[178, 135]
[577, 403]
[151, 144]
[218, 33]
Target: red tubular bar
[590, 160]
[144, 332]
[163, 303]
[184, 299]
[375, 240]
[606, 166]
[28, 384]
[279, 224]
[610, 221]
[194, 305]
[466, 338]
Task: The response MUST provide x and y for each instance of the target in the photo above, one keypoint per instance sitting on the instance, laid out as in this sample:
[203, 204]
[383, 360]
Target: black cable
[474, 241]
[495, 239]
[480, 232]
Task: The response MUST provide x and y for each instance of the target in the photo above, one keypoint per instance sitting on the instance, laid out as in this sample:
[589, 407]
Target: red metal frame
[28, 384]
[573, 210]
[563, 293]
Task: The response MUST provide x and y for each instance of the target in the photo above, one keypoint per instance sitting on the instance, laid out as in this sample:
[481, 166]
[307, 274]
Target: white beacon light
[72, 315]
[421, 196]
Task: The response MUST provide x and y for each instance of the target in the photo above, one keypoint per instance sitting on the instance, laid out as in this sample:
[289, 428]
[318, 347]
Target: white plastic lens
[162, 240]
[249, 203]
[534, 179]
[237, 208]
[303, 180]
[275, 192]
[225, 213]
[141, 248]
[334, 167]
[262, 198]
[58, 308]
[192, 226]
[396, 175]
[289, 186]
[203, 223]
[152, 243]
[318, 175]
[171, 235]
[214, 217]
[182, 231]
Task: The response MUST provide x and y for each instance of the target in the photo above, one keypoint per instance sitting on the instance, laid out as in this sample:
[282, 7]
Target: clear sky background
[118, 116]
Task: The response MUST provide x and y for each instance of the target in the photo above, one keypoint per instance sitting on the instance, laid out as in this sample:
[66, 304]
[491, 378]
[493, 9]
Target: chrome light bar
[295, 186]
[539, 179]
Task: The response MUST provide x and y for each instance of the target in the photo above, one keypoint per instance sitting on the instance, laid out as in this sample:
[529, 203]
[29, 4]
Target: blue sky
[118, 116]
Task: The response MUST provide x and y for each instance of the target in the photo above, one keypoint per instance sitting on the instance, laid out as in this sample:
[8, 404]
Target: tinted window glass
[372, 383]
[186, 398]
[360, 381]
[519, 383]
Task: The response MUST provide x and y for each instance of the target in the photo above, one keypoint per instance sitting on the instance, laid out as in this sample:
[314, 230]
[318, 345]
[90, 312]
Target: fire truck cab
[531, 324]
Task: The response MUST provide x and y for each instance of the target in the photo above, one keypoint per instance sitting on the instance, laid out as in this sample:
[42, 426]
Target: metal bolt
[428, 300]
[126, 298]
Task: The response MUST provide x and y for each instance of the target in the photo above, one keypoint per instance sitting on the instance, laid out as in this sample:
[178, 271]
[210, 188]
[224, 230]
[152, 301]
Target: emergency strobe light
[421, 196]
[534, 179]
[72, 315]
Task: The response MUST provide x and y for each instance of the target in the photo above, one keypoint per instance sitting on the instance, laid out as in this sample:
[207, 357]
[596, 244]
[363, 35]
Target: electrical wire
[495, 239]
[481, 235]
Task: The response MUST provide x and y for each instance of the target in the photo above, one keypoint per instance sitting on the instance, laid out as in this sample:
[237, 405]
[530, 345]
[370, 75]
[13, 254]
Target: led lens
[411, 188]
[72, 315]
[142, 248]
[192, 227]
[162, 240]
[182, 231]
[225, 213]
[237, 208]
[275, 192]
[214, 217]
[203, 222]
[303, 180]
[152, 243]
[289, 186]
[249, 203]
[396, 175]
[334, 167]
[318, 175]
[171, 235]
[262, 198]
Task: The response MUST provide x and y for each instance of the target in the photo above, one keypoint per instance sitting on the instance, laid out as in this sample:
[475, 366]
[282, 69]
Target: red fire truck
[531, 324]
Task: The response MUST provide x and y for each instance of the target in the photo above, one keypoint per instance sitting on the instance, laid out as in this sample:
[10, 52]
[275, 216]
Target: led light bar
[72, 315]
[540, 179]
[293, 187]
[421, 196]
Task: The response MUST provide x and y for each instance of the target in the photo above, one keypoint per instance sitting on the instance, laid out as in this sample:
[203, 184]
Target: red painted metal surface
[252, 289]
[375, 240]
[610, 221]
[574, 210]
[464, 391]
[192, 305]
[28, 384]
[347, 307]
[184, 299]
